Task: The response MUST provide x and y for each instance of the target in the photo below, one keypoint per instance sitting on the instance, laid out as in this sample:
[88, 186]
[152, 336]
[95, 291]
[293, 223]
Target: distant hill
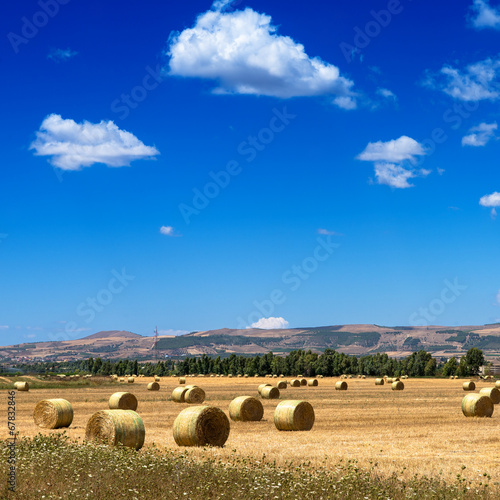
[360, 339]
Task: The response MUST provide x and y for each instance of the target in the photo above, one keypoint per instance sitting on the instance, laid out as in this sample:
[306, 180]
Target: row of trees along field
[307, 363]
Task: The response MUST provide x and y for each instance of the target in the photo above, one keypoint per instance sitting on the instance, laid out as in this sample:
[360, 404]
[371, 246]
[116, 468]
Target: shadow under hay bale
[246, 409]
[53, 413]
[122, 401]
[116, 426]
[201, 426]
[293, 415]
[477, 405]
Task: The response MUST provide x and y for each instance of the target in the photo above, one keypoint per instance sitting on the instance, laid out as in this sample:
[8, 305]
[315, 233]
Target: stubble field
[420, 430]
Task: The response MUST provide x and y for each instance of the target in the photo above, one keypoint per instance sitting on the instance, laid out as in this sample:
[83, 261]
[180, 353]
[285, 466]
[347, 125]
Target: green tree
[474, 359]
[450, 367]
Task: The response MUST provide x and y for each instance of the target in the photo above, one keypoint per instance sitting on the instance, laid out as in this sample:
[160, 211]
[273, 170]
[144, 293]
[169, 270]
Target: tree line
[300, 362]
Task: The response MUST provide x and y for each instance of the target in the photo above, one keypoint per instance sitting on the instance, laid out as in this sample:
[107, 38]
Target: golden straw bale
[178, 394]
[477, 405]
[341, 386]
[497, 384]
[246, 409]
[201, 426]
[122, 379]
[281, 384]
[153, 386]
[293, 415]
[469, 386]
[303, 381]
[131, 380]
[53, 413]
[116, 426]
[182, 380]
[261, 386]
[122, 401]
[21, 386]
[270, 392]
[312, 382]
[397, 386]
[157, 379]
[379, 381]
[295, 382]
[493, 393]
[194, 395]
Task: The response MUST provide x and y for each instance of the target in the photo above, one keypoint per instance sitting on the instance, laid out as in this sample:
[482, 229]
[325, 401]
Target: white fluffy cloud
[167, 230]
[477, 82]
[72, 145]
[270, 323]
[394, 161]
[243, 53]
[485, 16]
[480, 135]
[388, 94]
[171, 331]
[491, 200]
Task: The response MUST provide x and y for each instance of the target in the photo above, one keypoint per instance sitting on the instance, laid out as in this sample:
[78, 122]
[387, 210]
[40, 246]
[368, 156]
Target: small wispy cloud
[168, 231]
[270, 323]
[484, 15]
[394, 161]
[327, 232]
[491, 201]
[388, 94]
[480, 135]
[72, 145]
[4, 327]
[61, 55]
[440, 171]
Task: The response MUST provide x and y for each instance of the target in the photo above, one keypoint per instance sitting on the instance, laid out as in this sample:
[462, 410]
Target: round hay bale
[295, 382]
[153, 386]
[122, 401]
[122, 379]
[282, 376]
[312, 382]
[497, 384]
[469, 386]
[246, 375]
[53, 413]
[178, 394]
[230, 375]
[493, 393]
[246, 409]
[182, 380]
[379, 381]
[341, 386]
[397, 385]
[321, 376]
[194, 395]
[275, 376]
[281, 384]
[131, 380]
[303, 381]
[395, 379]
[261, 386]
[350, 376]
[477, 405]
[270, 392]
[116, 426]
[294, 415]
[157, 379]
[201, 426]
[240, 375]
[451, 377]
[21, 386]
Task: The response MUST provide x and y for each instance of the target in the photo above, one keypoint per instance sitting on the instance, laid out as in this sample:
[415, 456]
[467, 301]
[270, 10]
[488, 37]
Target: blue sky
[197, 166]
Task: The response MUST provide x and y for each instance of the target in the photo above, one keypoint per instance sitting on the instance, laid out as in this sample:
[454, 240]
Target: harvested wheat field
[421, 428]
